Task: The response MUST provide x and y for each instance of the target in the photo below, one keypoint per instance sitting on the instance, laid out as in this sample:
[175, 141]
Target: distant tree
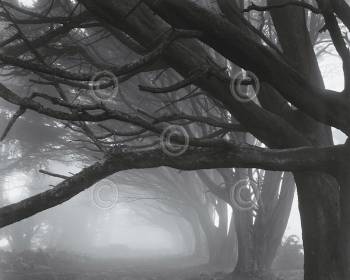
[290, 255]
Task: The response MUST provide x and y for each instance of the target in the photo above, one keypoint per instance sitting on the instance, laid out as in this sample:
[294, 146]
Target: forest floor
[63, 266]
[290, 275]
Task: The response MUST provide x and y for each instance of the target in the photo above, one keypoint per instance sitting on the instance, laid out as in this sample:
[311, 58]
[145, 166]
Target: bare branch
[254, 7]
[241, 156]
[54, 174]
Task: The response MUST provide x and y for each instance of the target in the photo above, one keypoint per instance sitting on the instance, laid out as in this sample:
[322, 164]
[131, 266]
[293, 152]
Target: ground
[42, 265]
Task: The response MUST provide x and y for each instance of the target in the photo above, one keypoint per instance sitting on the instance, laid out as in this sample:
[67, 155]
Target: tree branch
[301, 159]
[328, 107]
[254, 7]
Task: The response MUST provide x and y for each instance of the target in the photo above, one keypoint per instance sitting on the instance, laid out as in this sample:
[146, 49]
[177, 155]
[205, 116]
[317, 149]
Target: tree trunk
[272, 219]
[230, 252]
[222, 235]
[243, 222]
[317, 192]
[318, 204]
[209, 231]
[343, 254]
[192, 218]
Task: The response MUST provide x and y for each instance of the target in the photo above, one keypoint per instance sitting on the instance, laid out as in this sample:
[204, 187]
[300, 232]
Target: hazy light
[14, 187]
[27, 3]
[4, 243]
[216, 219]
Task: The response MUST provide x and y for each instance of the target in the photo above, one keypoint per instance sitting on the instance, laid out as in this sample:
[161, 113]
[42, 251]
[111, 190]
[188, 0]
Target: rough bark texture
[318, 194]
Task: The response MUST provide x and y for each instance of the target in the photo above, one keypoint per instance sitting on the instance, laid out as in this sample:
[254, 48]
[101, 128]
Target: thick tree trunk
[318, 203]
[244, 228]
[343, 254]
[317, 192]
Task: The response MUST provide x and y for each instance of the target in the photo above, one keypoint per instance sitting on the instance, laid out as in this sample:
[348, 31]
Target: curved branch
[328, 107]
[241, 156]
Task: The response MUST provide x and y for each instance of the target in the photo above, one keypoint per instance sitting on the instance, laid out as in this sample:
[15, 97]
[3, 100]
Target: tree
[292, 118]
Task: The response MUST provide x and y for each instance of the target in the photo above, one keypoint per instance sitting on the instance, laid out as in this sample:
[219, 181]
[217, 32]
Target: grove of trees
[172, 66]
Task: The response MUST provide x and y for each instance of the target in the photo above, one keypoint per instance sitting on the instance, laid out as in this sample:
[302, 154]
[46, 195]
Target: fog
[127, 224]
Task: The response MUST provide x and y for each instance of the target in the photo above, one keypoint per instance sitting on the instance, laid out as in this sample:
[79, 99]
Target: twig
[54, 174]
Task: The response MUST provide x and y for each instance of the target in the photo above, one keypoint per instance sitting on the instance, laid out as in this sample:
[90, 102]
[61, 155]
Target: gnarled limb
[327, 106]
[292, 160]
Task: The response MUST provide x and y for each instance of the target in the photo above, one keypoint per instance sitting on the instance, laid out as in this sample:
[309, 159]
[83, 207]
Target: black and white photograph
[174, 140]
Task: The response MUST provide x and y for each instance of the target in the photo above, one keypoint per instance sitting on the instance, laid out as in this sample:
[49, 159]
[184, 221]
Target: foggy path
[57, 266]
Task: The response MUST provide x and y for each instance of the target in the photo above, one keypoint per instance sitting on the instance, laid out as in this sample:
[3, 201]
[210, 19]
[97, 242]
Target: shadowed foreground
[64, 266]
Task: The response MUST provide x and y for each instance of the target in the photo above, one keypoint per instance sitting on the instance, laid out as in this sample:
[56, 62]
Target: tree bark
[317, 192]
[343, 248]
[318, 204]
[272, 218]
